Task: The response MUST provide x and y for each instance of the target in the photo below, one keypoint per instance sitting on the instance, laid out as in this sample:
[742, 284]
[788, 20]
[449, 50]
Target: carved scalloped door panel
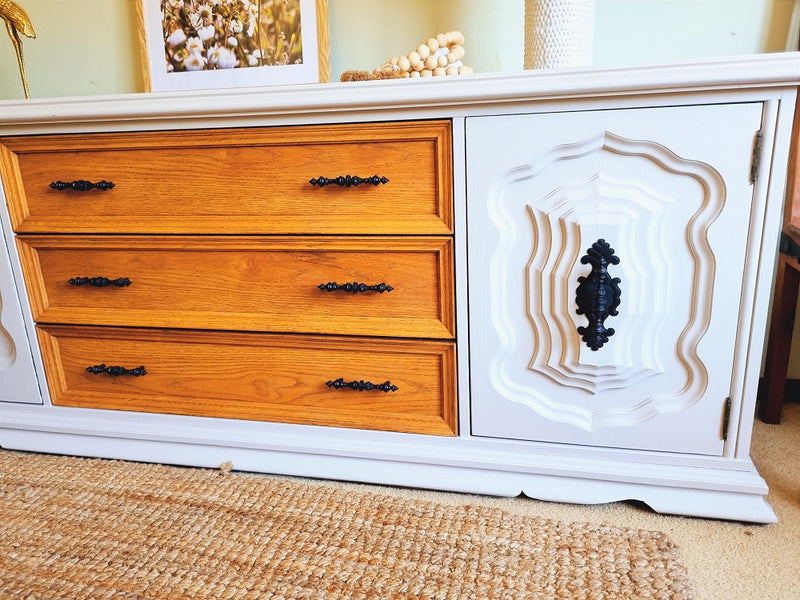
[606, 259]
[17, 375]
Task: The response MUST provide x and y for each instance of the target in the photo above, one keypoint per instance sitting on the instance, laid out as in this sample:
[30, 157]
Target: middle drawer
[251, 284]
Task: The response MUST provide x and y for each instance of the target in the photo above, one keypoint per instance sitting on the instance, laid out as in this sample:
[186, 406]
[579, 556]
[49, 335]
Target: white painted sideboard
[607, 270]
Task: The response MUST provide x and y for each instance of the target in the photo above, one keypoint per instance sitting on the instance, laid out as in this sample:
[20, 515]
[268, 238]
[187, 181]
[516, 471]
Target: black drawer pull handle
[355, 287]
[100, 281]
[81, 185]
[598, 294]
[348, 180]
[117, 371]
[361, 385]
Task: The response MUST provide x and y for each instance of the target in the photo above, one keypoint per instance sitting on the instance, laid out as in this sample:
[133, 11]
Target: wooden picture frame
[198, 44]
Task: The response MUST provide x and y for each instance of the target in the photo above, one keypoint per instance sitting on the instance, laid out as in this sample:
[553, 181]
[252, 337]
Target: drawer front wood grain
[254, 180]
[245, 283]
[257, 377]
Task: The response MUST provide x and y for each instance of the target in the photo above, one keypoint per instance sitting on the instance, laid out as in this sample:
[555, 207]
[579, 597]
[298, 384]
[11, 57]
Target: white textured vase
[559, 33]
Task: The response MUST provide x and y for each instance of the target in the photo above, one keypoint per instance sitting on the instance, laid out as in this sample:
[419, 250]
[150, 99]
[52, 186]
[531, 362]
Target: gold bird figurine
[17, 22]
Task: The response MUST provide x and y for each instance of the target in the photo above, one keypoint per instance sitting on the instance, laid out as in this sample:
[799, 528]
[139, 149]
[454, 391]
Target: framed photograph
[205, 44]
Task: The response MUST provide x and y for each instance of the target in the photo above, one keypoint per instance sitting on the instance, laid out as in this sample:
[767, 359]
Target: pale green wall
[365, 34]
[81, 47]
[91, 46]
[86, 47]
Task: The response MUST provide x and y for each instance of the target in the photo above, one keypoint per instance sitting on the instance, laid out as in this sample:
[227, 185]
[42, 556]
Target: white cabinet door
[648, 363]
[18, 382]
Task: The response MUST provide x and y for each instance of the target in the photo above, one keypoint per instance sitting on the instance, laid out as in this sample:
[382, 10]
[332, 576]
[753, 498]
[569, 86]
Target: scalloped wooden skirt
[90, 528]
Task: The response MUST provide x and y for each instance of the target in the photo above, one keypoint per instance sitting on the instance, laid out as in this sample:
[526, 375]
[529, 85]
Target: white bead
[438, 56]
[455, 37]
[456, 53]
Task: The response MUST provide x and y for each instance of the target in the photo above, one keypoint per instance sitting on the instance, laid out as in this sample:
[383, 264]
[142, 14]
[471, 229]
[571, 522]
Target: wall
[91, 46]
[86, 47]
[82, 47]
[493, 29]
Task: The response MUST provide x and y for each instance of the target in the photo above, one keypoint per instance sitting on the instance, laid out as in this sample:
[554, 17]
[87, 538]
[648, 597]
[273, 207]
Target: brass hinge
[756, 156]
[726, 419]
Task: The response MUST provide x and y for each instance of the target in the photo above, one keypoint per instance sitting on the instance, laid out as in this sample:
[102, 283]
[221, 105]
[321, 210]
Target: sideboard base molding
[720, 489]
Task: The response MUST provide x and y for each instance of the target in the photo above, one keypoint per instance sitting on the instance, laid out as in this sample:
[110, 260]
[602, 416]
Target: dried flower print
[229, 34]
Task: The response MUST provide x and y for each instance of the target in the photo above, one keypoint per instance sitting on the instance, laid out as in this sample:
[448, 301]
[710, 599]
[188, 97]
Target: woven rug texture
[73, 528]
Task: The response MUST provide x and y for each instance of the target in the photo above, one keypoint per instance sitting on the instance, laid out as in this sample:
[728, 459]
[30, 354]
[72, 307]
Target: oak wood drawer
[253, 376]
[245, 283]
[253, 180]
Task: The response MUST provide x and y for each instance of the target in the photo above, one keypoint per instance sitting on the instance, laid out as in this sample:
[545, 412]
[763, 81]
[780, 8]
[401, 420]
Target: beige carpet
[82, 528]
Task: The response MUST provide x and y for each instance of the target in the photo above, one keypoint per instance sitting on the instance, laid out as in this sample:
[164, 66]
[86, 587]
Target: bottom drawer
[260, 377]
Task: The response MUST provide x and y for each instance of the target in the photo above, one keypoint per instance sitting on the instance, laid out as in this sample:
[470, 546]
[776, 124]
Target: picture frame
[209, 44]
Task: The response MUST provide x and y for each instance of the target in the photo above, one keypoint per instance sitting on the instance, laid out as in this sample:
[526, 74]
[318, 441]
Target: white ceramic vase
[559, 33]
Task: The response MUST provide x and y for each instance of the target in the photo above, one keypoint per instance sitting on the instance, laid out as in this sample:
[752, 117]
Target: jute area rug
[74, 528]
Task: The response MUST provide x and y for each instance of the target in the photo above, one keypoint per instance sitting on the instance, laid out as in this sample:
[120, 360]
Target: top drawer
[254, 180]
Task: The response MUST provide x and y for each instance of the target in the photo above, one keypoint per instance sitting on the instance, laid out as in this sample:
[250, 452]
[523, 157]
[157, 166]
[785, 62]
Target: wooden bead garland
[439, 56]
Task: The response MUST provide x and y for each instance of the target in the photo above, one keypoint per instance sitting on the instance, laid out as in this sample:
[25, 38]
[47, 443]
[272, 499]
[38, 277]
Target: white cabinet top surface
[398, 99]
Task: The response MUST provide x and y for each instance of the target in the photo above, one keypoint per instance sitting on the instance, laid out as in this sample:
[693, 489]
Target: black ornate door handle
[361, 385]
[117, 371]
[598, 294]
[348, 180]
[81, 185]
[355, 287]
[100, 281]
